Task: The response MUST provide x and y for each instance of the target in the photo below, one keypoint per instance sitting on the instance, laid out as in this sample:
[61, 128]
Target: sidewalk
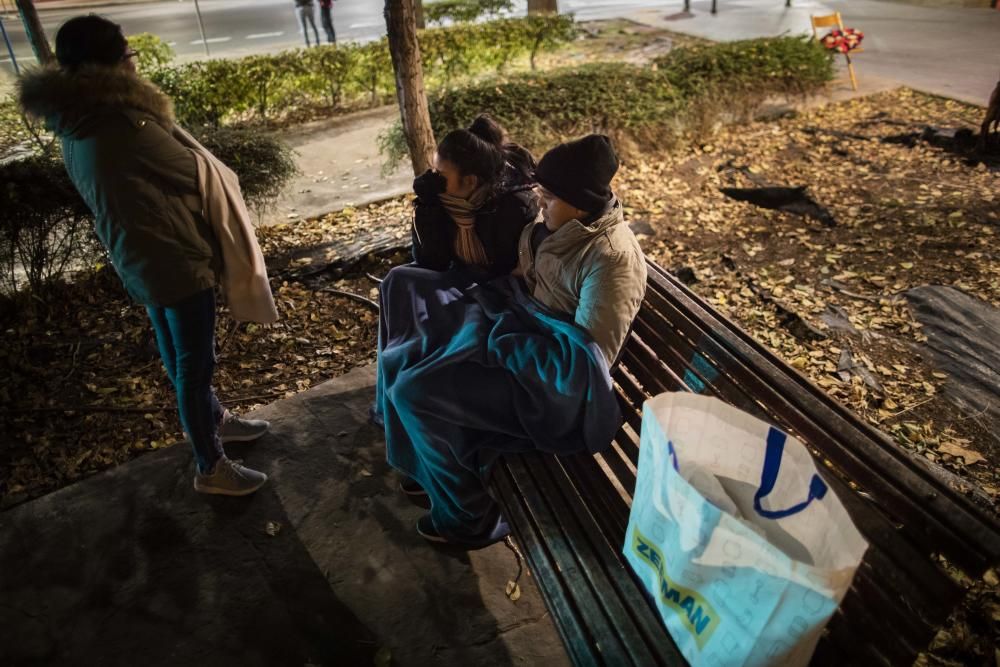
[321, 567]
[952, 52]
[340, 166]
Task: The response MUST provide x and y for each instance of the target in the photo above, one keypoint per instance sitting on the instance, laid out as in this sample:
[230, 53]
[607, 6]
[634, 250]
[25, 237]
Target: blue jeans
[326, 18]
[185, 333]
[307, 17]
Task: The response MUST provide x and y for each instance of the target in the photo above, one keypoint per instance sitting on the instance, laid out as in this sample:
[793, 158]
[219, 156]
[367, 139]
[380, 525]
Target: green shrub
[264, 164]
[152, 53]
[760, 67]
[535, 108]
[14, 132]
[47, 229]
[464, 11]
[216, 92]
[327, 71]
[206, 92]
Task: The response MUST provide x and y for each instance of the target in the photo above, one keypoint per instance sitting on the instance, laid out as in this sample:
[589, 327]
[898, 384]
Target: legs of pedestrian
[305, 14]
[311, 17]
[326, 17]
[185, 334]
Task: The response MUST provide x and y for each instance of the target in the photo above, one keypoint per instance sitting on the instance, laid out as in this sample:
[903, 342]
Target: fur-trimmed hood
[67, 99]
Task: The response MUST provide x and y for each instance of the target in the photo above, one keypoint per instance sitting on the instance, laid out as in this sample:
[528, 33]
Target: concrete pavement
[321, 567]
[340, 166]
[953, 52]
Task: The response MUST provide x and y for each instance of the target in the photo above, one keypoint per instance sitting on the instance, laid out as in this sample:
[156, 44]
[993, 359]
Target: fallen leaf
[970, 457]
[513, 591]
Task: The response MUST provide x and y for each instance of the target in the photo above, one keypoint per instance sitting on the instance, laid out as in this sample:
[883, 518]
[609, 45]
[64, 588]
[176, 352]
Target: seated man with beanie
[582, 259]
[468, 372]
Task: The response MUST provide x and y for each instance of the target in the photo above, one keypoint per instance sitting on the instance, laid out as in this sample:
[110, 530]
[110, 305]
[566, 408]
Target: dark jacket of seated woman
[470, 210]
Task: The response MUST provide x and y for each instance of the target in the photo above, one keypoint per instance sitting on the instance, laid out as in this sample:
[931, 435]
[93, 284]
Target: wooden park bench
[569, 514]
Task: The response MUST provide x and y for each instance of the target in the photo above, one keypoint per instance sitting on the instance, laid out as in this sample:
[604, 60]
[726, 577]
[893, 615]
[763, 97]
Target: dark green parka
[141, 184]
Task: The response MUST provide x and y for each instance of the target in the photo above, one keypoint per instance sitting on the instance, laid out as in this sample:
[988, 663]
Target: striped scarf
[468, 247]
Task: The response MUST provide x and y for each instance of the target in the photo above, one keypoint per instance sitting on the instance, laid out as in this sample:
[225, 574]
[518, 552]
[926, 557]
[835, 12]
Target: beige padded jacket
[595, 273]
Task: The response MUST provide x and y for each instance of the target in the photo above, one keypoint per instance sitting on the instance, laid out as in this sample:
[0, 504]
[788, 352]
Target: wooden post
[543, 7]
[34, 31]
[401, 24]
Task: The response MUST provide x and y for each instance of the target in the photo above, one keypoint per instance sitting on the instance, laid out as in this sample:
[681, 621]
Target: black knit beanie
[580, 172]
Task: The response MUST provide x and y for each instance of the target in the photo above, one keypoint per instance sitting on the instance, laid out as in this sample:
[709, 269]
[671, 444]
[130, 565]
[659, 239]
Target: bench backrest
[910, 517]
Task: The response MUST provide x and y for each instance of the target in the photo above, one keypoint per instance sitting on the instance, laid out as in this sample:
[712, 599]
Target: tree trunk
[34, 31]
[543, 6]
[405, 51]
[418, 10]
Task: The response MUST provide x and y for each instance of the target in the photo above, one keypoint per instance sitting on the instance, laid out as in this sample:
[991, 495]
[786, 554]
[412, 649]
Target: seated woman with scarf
[471, 208]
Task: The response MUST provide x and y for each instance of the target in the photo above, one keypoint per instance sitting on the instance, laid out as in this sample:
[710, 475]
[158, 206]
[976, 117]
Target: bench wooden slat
[573, 628]
[692, 364]
[839, 637]
[632, 603]
[631, 416]
[614, 637]
[966, 533]
[595, 487]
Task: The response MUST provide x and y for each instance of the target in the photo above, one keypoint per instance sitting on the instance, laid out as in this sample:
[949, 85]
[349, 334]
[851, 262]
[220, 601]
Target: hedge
[595, 97]
[46, 229]
[461, 11]
[762, 67]
[215, 92]
[685, 91]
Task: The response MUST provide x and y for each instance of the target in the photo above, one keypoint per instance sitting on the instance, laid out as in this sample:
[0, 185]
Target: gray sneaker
[229, 479]
[237, 429]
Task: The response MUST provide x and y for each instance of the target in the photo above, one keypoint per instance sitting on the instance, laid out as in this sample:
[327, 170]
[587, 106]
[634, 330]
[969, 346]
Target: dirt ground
[904, 217]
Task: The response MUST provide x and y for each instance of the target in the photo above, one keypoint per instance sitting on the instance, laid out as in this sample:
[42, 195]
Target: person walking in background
[326, 18]
[307, 17]
[171, 217]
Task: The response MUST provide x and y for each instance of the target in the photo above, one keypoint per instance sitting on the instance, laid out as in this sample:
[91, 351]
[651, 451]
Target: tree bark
[34, 31]
[405, 51]
[418, 10]
[543, 6]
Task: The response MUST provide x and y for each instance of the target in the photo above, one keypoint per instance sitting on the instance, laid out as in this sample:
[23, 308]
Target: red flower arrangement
[844, 40]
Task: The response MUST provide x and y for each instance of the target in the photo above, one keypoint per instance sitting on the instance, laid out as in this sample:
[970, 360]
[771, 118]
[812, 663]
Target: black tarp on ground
[963, 339]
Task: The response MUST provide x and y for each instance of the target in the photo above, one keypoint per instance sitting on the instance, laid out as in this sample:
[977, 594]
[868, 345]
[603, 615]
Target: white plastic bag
[738, 540]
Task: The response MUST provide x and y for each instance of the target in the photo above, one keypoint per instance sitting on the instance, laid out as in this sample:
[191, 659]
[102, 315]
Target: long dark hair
[90, 40]
[483, 151]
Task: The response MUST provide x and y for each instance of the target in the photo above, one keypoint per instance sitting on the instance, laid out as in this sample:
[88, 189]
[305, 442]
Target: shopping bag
[739, 542]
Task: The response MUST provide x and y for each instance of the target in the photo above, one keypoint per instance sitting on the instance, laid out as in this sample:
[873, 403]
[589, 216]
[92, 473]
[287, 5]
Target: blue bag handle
[673, 455]
[772, 463]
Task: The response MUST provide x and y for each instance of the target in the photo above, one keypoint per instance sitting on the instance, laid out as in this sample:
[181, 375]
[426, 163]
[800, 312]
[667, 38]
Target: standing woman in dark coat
[123, 152]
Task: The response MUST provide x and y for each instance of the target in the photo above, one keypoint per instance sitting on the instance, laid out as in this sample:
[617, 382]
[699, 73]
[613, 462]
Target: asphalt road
[254, 26]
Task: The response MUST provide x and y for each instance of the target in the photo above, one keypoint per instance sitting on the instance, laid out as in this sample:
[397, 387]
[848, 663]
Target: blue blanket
[467, 372]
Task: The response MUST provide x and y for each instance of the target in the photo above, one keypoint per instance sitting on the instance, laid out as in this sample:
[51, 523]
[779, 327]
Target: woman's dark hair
[90, 40]
[482, 151]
